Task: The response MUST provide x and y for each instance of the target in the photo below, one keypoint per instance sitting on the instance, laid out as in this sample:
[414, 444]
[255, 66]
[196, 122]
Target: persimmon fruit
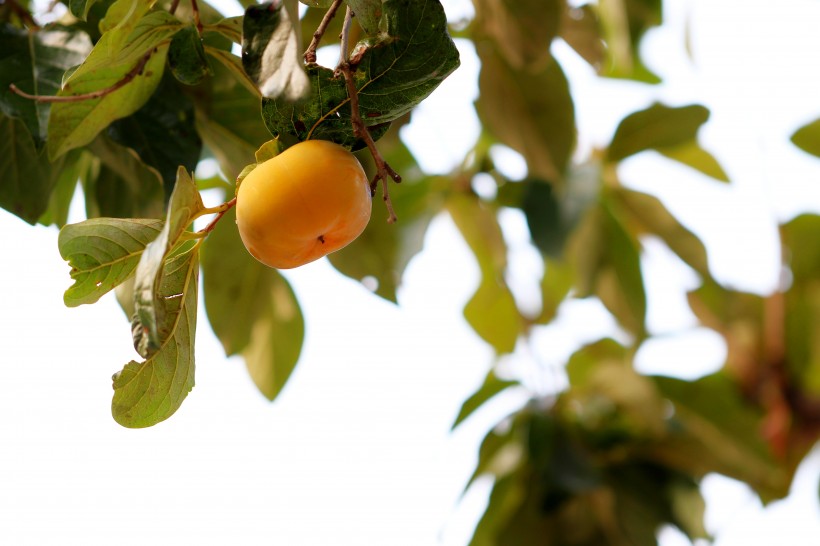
[312, 199]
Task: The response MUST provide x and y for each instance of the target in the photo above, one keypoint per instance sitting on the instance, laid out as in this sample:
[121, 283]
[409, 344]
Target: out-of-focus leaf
[492, 386]
[507, 496]
[692, 155]
[229, 123]
[270, 52]
[532, 113]
[146, 393]
[545, 217]
[35, 62]
[233, 64]
[624, 23]
[136, 66]
[252, 308]
[120, 184]
[659, 127]
[807, 138]
[60, 199]
[523, 30]
[230, 28]
[801, 236]
[606, 260]
[555, 287]
[396, 72]
[646, 215]
[102, 253]
[149, 304]
[186, 57]
[580, 28]
[162, 133]
[491, 311]
[714, 430]
[80, 8]
[27, 176]
[383, 250]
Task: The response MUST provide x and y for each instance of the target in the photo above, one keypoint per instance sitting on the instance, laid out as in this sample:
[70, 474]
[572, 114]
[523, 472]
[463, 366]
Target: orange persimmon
[312, 199]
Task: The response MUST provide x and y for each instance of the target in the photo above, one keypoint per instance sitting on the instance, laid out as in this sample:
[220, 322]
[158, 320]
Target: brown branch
[133, 73]
[310, 53]
[197, 22]
[24, 14]
[174, 5]
[384, 172]
[212, 224]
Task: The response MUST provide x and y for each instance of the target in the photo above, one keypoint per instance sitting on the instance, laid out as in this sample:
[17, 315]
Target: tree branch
[24, 14]
[310, 53]
[383, 171]
[197, 22]
[133, 73]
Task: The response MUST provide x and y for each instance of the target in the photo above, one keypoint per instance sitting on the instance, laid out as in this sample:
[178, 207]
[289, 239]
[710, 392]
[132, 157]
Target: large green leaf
[491, 386]
[396, 72]
[35, 62]
[229, 121]
[27, 176]
[252, 308]
[119, 184]
[368, 13]
[149, 303]
[162, 133]
[271, 53]
[523, 30]
[140, 57]
[491, 311]
[146, 393]
[531, 112]
[624, 23]
[103, 253]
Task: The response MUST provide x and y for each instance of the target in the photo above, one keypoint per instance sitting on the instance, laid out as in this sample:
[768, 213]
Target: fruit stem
[219, 211]
[383, 171]
[310, 53]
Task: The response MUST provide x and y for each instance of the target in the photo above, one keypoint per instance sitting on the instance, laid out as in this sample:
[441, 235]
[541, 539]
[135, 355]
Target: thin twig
[133, 73]
[223, 208]
[174, 5]
[23, 14]
[310, 53]
[197, 22]
[383, 171]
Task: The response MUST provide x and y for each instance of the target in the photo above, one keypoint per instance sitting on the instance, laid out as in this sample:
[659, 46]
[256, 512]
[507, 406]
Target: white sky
[357, 449]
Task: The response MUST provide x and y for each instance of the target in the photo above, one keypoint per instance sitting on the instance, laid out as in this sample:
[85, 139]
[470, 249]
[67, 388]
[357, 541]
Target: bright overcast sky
[357, 450]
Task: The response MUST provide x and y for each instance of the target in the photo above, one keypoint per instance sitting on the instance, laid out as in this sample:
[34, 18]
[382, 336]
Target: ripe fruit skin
[310, 200]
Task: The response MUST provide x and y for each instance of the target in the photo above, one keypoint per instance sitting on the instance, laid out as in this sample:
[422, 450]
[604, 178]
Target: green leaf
[233, 64]
[581, 29]
[383, 250]
[229, 123]
[396, 72]
[531, 112]
[252, 308]
[150, 305]
[545, 215]
[800, 236]
[555, 287]
[186, 57]
[715, 430]
[368, 14]
[230, 28]
[103, 253]
[149, 392]
[136, 67]
[35, 62]
[62, 194]
[120, 184]
[646, 215]
[162, 133]
[27, 177]
[658, 127]
[523, 30]
[624, 24]
[692, 155]
[807, 138]
[492, 386]
[492, 311]
[606, 260]
[79, 8]
[270, 52]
